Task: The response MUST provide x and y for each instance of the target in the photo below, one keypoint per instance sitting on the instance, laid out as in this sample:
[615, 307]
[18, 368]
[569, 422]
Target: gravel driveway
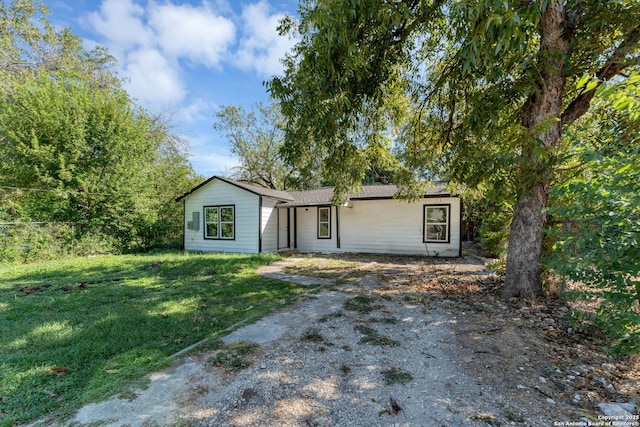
[366, 351]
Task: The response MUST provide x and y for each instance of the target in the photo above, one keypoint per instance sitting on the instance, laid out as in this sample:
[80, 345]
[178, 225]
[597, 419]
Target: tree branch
[570, 168]
[609, 70]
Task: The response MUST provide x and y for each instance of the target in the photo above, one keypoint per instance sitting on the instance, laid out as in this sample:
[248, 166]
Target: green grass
[330, 316]
[232, 357]
[371, 336]
[80, 330]
[396, 376]
[361, 304]
[312, 335]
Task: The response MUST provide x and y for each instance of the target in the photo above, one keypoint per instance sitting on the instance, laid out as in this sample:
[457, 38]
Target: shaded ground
[397, 341]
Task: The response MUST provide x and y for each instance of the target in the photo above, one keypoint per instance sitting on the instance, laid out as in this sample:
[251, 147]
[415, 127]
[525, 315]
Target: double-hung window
[436, 223]
[219, 222]
[324, 222]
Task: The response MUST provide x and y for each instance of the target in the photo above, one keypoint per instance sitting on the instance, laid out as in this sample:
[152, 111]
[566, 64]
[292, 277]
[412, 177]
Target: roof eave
[364, 198]
[196, 188]
[202, 184]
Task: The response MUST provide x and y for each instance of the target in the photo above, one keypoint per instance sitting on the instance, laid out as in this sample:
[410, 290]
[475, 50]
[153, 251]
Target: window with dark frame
[324, 222]
[436, 223]
[219, 222]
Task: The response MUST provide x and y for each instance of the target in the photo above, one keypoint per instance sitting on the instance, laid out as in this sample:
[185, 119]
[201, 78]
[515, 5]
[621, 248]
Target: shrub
[601, 248]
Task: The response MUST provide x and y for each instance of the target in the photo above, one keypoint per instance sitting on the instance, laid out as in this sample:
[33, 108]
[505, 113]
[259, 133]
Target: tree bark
[523, 278]
[541, 115]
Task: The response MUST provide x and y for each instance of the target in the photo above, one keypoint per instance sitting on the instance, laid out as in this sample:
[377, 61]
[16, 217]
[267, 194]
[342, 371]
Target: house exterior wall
[284, 229]
[307, 231]
[269, 225]
[380, 226]
[220, 193]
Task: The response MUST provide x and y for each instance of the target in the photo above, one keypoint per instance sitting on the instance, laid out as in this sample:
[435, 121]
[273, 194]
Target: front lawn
[80, 330]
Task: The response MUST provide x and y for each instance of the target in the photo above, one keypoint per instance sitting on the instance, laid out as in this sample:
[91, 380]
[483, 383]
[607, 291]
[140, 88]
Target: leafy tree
[477, 89]
[30, 45]
[486, 218]
[378, 175]
[255, 138]
[75, 148]
[598, 243]
[170, 174]
[83, 151]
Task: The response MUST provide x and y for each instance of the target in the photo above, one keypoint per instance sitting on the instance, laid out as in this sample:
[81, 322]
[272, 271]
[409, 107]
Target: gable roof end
[260, 191]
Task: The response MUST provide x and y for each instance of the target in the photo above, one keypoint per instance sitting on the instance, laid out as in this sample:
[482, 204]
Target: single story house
[224, 215]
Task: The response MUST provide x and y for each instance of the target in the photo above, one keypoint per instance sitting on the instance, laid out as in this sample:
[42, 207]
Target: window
[324, 223]
[436, 223]
[219, 222]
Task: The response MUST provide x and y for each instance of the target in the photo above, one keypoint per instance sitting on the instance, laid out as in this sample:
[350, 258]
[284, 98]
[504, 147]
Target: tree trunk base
[523, 276]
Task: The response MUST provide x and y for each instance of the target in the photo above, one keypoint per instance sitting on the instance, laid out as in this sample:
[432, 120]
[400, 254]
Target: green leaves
[334, 94]
[490, 88]
[599, 244]
[467, 69]
[75, 148]
[257, 139]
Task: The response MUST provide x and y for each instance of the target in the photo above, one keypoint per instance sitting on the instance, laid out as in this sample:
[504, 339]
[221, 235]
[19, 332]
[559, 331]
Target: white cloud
[155, 41]
[195, 111]
[261, 47]
[196, 33]
[149, 43]
[121, 23]
[151, 78]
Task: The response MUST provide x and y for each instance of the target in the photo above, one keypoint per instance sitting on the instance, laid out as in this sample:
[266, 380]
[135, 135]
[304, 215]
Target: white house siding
[307, 231]
[394, 226]
[220, 193]
[380, 226]
[284, 228]
[269, 225]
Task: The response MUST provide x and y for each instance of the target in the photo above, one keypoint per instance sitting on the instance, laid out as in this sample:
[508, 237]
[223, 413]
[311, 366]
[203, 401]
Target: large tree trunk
[541, 115]
[525, 245]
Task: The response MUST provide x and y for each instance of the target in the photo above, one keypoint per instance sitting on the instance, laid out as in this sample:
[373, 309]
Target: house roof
[322, 196]
[255, 189]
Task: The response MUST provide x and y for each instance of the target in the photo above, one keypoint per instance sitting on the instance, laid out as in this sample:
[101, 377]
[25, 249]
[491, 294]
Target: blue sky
[187, 58]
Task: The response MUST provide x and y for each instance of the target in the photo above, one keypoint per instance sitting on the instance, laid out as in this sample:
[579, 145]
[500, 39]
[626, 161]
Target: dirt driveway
[394, 342]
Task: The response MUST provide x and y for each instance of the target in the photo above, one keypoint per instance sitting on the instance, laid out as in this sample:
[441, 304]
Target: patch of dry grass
[326, 268]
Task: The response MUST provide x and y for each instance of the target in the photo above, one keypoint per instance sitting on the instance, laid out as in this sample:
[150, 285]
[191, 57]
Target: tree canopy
[256, 138]
[481, 91]
[595, 214]
[75, 148]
